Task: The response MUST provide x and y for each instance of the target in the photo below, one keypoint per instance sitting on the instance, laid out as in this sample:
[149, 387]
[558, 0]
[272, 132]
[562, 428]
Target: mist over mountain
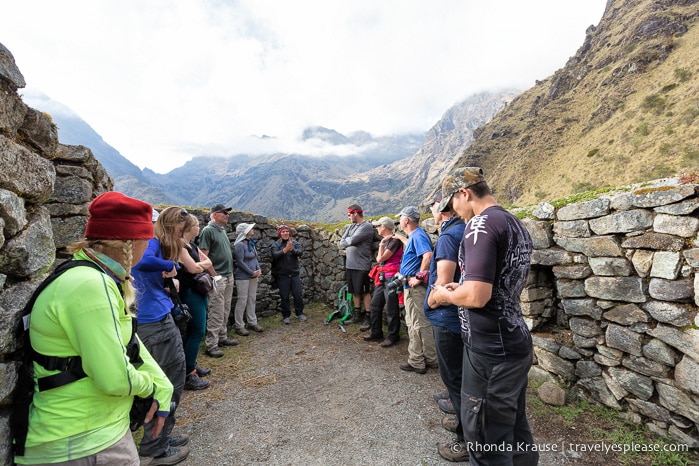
[382, 173]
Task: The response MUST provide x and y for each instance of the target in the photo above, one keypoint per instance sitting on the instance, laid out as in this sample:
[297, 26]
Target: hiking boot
[256, 328]
[202, 371]
[357, 317]
[242, 332]
[441, 395]
[446, 406]
[410, 368]
[286, 320]
[301, 318]
[366, 325]
[386, 343]
[214, 352]
[178, 440]
[228, 342]
[370, 337]
[450, 423]
[172, 455]
[453, 451]
[193, 382]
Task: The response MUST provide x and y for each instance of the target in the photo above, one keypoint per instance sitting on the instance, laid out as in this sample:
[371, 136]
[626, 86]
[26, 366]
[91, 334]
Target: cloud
[166, 80]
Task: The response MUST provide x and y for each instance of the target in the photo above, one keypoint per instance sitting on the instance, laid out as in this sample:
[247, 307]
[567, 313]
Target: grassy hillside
[624, 109]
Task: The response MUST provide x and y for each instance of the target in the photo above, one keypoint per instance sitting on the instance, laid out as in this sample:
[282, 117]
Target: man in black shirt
[494, 259]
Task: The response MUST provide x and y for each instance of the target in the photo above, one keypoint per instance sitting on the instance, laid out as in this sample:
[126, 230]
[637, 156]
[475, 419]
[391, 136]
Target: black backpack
[70, 367]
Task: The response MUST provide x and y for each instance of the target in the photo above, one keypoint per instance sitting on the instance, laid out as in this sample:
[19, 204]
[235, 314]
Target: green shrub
[683, 74]
[654, 103]
[642, 129]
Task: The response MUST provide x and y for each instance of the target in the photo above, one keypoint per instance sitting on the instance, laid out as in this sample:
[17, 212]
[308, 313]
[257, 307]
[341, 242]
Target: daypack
[70, 367]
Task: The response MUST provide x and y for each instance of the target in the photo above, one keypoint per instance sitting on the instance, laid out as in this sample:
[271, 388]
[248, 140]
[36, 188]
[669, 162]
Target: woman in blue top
[158, 330]
[247, 272]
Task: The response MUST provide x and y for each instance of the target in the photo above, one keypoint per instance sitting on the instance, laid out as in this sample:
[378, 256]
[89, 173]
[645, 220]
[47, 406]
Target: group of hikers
[461, 302]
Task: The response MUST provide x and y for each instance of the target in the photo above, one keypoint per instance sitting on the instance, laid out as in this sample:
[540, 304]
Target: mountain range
[383, 173]
[622, 110]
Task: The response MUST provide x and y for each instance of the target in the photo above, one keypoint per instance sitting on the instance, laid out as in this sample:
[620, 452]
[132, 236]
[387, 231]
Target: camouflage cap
[436, 199]
[459, 178]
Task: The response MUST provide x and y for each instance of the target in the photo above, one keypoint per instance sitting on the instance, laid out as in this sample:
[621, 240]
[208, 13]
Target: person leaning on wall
[85, 313]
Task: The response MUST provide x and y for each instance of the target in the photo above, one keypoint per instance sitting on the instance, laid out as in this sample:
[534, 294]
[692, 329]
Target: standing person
[494, 257]
[158, 330]
[214, 243]
[84, 314]
[388, 258]
[356, 241]
[445, 321]
[247, 273]
[285, 266]
[416, 263]
[193, 261]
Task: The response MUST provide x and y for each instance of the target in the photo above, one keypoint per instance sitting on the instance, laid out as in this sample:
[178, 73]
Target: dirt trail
[308, 394]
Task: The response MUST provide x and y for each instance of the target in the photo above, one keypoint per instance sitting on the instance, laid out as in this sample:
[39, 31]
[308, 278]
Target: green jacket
[83, 313]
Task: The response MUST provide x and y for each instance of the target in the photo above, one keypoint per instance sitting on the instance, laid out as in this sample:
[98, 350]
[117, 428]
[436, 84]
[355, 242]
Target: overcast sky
[165, 80]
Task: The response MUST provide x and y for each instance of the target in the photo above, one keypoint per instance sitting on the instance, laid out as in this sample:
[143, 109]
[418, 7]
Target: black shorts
[358, 281]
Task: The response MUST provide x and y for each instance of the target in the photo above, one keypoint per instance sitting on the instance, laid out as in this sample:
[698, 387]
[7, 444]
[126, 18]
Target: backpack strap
[71, 367]
[24, 391]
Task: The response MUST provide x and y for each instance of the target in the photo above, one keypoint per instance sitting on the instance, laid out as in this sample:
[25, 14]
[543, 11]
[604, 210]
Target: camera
[396, 283]
[181, 314]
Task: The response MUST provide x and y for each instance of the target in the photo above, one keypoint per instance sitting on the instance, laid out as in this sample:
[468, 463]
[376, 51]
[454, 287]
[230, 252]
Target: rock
[623, 222]
[642, 261]
[625, 289]
[598, 246]
[634, 383]
[666, 264]
[583, 210]
[653, 240]
[671, 290]
[685, 227]
[653, 197]
[623, 339]
[686, 372]
[626, 314]
[669, 313]
[572, 229]
[552, 394]
[610, 266]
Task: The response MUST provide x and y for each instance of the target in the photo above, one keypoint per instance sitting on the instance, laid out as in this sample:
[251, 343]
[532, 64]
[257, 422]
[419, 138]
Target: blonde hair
[190, 221]
[119, 250]
[165, 229]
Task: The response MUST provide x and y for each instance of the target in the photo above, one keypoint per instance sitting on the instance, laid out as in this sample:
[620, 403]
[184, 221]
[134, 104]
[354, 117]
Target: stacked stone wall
[617, 312]
[45, 188]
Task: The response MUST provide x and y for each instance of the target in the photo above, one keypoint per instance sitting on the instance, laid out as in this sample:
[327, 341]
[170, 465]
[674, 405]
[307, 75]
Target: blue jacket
[154, 302]
[446, 247]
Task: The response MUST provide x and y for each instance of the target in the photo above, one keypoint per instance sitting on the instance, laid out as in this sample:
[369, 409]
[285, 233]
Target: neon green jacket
[83, 313]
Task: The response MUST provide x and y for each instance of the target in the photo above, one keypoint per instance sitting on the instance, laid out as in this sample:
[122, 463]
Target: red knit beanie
[114, 215]
[281, 228]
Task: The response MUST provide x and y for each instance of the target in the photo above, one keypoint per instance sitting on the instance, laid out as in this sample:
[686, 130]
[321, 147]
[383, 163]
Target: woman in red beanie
[84, 314]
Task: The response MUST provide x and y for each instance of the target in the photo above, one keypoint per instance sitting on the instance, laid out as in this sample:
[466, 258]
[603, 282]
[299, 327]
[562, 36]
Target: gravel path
[308, 394]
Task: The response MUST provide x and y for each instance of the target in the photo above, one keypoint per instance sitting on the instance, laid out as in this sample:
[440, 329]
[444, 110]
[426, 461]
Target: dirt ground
[309, 394]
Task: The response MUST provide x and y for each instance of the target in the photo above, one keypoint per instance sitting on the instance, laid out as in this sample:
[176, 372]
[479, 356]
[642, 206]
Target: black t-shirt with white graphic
[496, 249]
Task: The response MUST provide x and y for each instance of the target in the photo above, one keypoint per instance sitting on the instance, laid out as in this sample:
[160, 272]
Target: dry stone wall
[45, 188]
[613, 298]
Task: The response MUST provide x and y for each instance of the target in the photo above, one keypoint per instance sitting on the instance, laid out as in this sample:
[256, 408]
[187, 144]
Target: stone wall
[322, 264]
[45, 188]
[613, 301]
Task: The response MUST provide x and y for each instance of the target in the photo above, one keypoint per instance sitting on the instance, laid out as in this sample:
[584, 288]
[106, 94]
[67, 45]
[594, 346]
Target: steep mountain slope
[624, 109]
[390, 187]
[74, 130]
